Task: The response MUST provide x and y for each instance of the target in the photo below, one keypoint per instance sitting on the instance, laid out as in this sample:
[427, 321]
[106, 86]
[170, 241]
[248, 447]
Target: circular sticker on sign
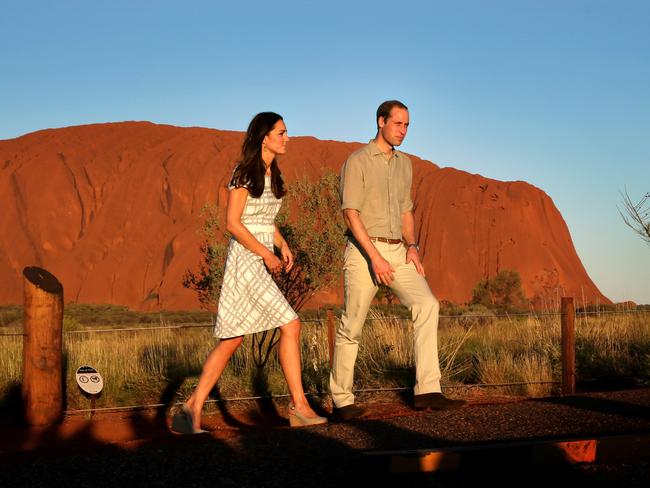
[89, 380]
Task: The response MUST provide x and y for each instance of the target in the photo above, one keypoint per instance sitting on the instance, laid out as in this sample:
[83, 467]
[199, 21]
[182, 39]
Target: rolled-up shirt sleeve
[352, 184]
[406, 203]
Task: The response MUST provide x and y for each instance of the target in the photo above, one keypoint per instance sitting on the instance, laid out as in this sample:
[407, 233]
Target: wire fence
[149, 406]
[199, 325]
[322, 319]
[123, 408]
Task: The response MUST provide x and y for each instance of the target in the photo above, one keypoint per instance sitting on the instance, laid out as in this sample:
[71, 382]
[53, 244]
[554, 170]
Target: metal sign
[89, 380]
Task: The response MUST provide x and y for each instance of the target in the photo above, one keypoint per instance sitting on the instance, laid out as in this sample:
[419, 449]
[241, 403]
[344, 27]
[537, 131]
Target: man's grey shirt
[378, 186]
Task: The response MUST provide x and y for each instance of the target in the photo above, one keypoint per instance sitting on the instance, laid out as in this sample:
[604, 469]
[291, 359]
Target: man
[382, 249]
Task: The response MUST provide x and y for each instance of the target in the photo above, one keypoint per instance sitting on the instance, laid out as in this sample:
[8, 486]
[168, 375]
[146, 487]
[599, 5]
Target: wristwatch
[415, 245]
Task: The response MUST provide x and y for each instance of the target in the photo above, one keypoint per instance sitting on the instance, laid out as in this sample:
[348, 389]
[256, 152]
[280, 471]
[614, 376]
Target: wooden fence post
[331, 333]
[42, 387]
[568, 347]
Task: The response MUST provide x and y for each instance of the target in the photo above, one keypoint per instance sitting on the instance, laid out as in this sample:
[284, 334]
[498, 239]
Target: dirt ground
[250, 445]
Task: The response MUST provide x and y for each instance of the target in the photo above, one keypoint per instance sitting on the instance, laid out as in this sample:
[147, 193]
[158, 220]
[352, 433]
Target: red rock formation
[114, 211]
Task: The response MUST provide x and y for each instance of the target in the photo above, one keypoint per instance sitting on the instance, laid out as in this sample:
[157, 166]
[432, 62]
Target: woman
[250, 301]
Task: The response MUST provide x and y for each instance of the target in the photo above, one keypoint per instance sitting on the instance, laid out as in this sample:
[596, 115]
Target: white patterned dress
[250, 301]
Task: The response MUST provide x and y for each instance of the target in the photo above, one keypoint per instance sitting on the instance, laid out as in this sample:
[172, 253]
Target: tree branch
[637, 215]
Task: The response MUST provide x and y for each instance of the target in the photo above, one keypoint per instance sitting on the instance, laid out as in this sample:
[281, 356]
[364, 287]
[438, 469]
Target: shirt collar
[375, 150]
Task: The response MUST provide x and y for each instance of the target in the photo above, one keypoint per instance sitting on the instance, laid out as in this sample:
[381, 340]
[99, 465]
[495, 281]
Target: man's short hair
[385, 108]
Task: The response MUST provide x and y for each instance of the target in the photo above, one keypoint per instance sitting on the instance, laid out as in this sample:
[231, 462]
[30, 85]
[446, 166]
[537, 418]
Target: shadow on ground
[268, 456]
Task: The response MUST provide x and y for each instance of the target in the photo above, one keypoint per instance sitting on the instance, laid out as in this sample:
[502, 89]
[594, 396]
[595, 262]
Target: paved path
[249, 449]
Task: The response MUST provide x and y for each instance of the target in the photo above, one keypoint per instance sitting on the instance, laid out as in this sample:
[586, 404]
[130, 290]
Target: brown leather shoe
[349, 412]
[436, 401]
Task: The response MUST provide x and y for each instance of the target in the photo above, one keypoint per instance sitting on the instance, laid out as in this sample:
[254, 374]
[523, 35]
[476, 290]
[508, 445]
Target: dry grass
[11, 359]
[152, 366]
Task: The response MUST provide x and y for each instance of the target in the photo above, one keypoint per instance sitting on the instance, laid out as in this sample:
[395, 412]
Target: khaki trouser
[413, 291]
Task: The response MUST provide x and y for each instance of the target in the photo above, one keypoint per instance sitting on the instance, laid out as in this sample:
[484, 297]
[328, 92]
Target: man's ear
[381, 121]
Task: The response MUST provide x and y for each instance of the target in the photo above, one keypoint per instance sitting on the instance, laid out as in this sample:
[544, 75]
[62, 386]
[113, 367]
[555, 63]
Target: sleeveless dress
[250, 301]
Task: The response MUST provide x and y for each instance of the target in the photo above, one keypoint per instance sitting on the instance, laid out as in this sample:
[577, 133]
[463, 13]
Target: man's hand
[412, 256]
[383, 270]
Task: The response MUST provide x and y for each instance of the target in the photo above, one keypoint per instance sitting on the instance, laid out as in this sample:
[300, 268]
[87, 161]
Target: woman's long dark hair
[250, 169]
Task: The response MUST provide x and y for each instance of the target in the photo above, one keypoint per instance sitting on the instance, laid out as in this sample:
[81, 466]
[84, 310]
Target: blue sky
[556, 93]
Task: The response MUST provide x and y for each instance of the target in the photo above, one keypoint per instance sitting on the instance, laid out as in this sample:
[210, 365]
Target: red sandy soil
[626, 411]
[485, 440]
[114, 211]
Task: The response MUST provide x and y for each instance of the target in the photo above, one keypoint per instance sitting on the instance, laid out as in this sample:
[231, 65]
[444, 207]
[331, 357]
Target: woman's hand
[287, 257]
[272, 262]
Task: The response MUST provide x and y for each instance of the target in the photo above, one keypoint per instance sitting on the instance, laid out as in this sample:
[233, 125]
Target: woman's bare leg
[214, 365]
[289, 354]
